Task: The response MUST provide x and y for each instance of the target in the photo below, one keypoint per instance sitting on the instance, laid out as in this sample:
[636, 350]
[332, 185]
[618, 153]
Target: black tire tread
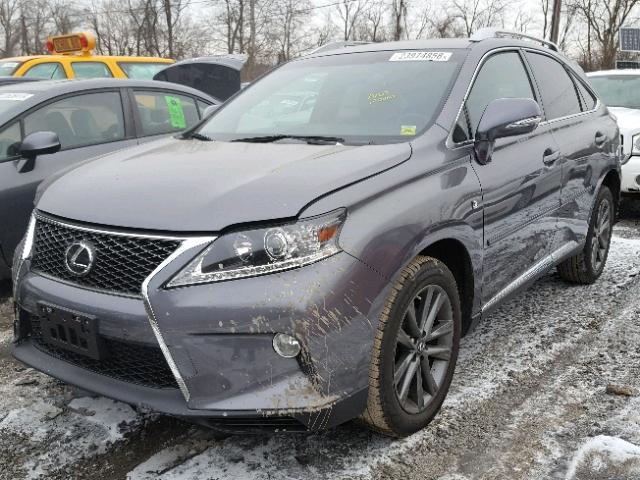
[575, 269]
[374, 415]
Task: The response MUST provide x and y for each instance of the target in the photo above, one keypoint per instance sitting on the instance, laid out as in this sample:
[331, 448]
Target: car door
[163, 112]
[584, 136]
[88, 124]
[521, 193]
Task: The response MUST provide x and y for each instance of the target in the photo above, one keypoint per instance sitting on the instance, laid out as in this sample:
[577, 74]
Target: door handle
[550, 156]
[600, 139]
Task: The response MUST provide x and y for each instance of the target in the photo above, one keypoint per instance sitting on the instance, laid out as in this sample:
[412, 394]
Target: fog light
[638, 180]
[285, 345]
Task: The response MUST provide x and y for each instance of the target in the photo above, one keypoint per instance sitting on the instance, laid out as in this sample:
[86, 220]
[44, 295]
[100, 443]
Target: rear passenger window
[90, 70]
[162, 112]
[502, 76]
[46, 71]
[81, 120]
[588, 100]
[558, 91]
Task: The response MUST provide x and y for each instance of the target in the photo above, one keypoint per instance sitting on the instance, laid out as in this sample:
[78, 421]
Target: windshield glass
[373, 97]
[7, 68]
[141, 71]
[618, 90]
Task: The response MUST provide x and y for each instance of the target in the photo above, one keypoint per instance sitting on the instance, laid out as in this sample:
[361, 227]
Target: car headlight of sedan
[260, 251]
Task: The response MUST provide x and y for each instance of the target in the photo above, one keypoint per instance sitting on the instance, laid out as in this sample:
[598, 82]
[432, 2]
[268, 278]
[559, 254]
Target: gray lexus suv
[314, 250]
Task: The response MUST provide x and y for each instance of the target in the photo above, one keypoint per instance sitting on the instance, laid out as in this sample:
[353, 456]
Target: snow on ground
[605, 457]
[529, 400]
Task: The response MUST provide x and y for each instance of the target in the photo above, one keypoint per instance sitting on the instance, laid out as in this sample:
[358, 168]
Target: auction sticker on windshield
[18, 97]
[420, 57]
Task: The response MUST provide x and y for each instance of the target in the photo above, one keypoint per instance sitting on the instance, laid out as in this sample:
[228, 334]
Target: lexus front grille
[120, 261]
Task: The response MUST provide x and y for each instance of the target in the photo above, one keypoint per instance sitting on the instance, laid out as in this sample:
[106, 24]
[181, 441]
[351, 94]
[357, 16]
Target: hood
[628, 119]
[194, 186]
[217, 76]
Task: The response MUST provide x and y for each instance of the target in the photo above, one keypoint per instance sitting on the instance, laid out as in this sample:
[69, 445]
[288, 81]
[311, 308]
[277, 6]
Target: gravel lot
[547, 387]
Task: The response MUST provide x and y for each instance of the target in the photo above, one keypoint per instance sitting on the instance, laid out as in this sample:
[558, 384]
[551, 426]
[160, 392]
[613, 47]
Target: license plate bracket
[71, 331]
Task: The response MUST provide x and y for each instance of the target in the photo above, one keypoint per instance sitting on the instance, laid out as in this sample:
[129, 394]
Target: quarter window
[46, 71]
[164, 112]
[82, 120]
[588, 100]
[558, 91]
[90, 70]
[502, 76]
[10, 139]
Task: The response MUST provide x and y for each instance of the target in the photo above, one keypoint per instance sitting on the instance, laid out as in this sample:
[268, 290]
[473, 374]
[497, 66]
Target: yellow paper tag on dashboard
[408, 130]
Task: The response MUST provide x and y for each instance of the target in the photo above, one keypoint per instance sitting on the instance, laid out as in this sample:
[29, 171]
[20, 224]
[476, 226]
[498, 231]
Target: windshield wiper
[199, 136]
[312, 139]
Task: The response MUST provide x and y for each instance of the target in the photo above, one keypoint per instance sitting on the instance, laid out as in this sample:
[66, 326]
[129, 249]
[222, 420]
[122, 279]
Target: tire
[585, 267]
[402, 348]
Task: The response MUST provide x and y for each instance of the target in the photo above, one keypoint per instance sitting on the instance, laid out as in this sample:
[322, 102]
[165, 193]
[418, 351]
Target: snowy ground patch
[606, 457]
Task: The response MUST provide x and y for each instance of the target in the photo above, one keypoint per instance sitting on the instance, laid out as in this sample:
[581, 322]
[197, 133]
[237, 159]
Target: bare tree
[349, 12]
[604, 19]
[476, 14]
[398, 18]
[9, 22]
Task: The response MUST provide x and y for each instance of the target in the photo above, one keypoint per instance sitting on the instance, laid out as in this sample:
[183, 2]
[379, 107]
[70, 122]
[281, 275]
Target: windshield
[7, 68]
[618, 90]
[361, 98]
[142, 70]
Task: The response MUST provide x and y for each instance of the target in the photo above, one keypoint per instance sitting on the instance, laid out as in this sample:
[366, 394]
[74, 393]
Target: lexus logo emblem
[79, 258]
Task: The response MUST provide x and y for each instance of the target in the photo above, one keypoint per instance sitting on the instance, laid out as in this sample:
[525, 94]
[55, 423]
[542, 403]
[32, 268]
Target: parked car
[72, 56]
[217, 75]
[620, 91]
[252, 276]
[90, 118]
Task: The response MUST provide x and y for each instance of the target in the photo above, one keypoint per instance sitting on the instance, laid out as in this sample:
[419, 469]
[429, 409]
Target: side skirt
[531, 274]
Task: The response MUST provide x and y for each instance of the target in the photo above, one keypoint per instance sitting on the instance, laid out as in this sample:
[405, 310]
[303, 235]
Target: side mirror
[39, 143]
[504, 117]
[209, 110]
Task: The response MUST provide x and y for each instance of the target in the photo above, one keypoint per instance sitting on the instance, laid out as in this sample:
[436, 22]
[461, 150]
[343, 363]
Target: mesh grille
[126, 361]
[121, 262]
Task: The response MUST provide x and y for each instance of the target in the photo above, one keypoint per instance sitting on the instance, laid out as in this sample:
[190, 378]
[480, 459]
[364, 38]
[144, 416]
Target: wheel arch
[456, 257]
[613, 181]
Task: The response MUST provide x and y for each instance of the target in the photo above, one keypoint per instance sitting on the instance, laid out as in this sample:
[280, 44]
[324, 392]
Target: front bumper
[219, 337]
[631, 175]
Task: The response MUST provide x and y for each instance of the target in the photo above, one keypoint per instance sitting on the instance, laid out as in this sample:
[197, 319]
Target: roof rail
[336, 45]
[490, 32]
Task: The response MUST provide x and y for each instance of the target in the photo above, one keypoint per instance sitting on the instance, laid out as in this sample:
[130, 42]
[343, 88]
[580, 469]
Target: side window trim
[573, 80]
[534, 88]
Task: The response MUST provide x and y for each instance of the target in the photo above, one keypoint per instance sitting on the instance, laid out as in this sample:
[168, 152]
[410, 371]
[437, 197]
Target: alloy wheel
[601, 235]
[423, 349]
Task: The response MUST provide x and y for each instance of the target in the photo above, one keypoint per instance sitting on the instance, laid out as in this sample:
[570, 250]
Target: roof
[52, 88]
[624, 72]
[397, 45]
[438, 43]
[93, 57]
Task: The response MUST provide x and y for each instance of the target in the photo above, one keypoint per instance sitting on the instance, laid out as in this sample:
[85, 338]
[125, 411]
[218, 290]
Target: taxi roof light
[83, 42]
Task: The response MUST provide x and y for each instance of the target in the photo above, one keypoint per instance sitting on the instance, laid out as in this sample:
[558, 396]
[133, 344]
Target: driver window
[502, 76]
[10, 139]
[82, 120]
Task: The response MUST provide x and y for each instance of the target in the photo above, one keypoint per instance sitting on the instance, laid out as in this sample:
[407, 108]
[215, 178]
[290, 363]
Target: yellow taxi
[71, 56]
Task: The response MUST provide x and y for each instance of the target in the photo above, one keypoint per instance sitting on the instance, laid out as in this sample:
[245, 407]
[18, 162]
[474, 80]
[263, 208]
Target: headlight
[635, 145]
[265, 250]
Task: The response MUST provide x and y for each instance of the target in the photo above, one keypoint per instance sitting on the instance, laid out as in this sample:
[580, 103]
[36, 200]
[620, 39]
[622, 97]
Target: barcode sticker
[420, 57]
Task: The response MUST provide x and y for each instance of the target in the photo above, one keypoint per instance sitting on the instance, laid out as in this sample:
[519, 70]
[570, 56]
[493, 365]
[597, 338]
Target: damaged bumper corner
[217, 341]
